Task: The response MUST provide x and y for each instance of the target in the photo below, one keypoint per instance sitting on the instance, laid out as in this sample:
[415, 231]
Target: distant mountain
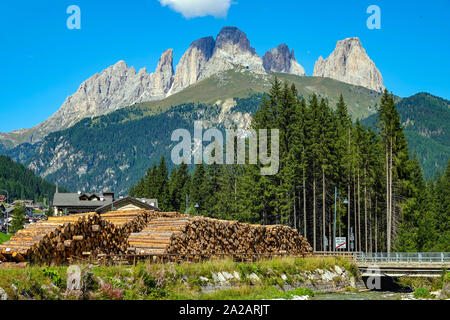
[350, 63]
[113, 151]
[280, 59]
[426, 121]
[21, 183]
[119, 86]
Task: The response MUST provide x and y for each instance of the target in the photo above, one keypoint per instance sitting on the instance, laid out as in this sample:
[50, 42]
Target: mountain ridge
[119, 86]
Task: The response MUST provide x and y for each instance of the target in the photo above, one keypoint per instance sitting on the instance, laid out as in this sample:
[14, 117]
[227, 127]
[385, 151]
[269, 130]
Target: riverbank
[278, 278]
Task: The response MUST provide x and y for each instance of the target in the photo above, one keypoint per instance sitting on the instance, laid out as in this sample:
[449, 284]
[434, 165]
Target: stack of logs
[53, 240]
[142, 232]
[61, 238]
[118, 225]
[191, 237]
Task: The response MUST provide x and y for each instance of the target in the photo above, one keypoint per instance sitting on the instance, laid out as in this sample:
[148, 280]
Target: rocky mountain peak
[281, 59]
[205, 45]
[165, 63]
[192, 63]
[163, 76]
[235, 37]
[350, 63]
[232, 50]
[119, 86]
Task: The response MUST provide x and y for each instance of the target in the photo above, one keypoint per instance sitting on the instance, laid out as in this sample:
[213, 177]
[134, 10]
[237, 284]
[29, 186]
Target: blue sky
[43, 62]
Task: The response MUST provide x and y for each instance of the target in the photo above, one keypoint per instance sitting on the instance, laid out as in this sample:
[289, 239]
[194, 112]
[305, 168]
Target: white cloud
[199, 8]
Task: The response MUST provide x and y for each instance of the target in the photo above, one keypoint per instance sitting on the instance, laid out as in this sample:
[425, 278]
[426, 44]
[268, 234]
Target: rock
[327, 276]
[100, 282]
[215, 277]
[436, 293]
[162, 79]
[350, 63]
[254, 278]
[218, 277]
[115, 87]
[227, 275]
[280, 59]
[192, 63]
[300, 298]
[203, 279]
[352, 282]
[232, 50]
[338, 270]
[236, 275]
[3, 294]
[283, 276]
[445, 291]
[221, 277]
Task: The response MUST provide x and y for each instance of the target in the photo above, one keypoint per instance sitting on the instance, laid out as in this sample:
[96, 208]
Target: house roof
[73, 200]
[136, 202]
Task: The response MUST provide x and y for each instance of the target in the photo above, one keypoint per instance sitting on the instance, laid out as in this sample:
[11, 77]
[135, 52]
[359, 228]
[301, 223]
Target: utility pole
[335, 203]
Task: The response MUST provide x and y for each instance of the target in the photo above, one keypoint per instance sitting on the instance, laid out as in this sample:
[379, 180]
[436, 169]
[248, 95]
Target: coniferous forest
[22, 183]
[382, 199]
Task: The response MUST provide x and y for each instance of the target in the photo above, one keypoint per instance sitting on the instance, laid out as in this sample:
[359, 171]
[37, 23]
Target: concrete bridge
[397, 264]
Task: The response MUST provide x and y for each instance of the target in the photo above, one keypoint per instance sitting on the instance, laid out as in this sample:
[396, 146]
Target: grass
[421, 292]
[431, 284]
[241, 84]
[245, 292]
[4, 237]
[164, 281]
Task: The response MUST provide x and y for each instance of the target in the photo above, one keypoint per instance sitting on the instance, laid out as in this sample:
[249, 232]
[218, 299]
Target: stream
[366, 295]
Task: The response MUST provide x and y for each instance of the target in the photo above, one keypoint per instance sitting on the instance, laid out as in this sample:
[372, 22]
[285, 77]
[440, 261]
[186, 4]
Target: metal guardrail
[420, 257]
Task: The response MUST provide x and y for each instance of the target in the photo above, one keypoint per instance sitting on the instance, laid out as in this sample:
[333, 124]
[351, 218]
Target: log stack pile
[53, 240]
[118, 225]
[143, 232]
[192, 237]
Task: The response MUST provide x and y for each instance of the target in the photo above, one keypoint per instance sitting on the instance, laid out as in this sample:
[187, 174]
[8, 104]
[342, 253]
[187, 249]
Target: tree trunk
[359, 214]
[304, 204]
[314, 214]
[391, 207]
[295, 214]
[355, 219]
[376, 224]
[370, 223]
[323, 211]
[348, 215]
[388, 225]
[365, 208]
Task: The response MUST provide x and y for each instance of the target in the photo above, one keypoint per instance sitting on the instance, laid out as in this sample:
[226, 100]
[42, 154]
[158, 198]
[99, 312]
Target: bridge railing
[421, 257]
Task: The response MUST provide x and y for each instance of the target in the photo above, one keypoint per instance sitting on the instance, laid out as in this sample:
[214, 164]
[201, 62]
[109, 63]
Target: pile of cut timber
[53, 240]
[191, 237]
[118, 225]
[143, 232]
[60, 238]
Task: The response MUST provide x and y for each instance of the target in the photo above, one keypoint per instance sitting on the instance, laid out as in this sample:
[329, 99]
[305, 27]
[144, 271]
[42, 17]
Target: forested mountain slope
[426, 121]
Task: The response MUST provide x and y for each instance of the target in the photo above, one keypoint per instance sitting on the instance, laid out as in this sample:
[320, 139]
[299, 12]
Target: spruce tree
[18, 219]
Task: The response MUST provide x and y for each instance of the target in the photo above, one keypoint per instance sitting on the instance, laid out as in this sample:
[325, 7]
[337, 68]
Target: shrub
[54, 276]
[302, 292]
[421, 292]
